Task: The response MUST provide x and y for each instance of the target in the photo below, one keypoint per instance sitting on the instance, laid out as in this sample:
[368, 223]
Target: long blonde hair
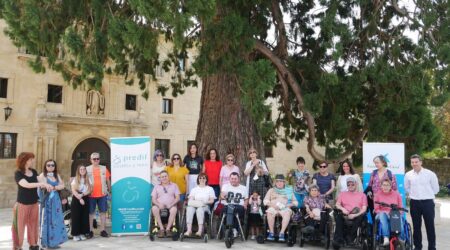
[78, 177]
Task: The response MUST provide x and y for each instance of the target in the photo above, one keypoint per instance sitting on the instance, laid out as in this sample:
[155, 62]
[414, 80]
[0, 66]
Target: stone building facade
[55, 121]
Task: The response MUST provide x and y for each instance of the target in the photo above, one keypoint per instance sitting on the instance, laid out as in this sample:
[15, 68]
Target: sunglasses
[50, 165]
[323, 166]
[230, 160]
[202, 178]
[96, 159]
[176, 159]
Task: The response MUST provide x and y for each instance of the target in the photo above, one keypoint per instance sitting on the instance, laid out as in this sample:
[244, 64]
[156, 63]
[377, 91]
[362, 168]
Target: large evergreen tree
[341, 71]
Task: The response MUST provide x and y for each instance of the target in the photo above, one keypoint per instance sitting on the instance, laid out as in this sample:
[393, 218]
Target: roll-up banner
[130, 179]
[394, 153]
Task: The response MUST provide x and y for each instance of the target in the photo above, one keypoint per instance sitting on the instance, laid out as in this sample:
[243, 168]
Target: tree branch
[281, 47]
[286, 75]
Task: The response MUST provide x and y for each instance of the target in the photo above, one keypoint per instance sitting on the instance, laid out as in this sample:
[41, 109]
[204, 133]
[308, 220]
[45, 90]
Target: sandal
[198, 234]
[161, 233]
[187, 234]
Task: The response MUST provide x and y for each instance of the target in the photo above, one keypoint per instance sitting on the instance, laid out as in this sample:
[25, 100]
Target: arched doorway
[82, 153]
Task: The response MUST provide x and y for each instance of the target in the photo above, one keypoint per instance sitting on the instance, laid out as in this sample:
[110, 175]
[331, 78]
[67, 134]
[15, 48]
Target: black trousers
[425, 209]
[80, 216]
[351, 229]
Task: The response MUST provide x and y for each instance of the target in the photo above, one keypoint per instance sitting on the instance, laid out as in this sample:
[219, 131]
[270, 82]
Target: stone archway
[82, 153]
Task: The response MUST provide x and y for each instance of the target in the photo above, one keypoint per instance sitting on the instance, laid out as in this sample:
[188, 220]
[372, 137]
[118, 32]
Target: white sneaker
[386, 241]
[76, 238]
[253, 237]
[82, 237]
[235, 233]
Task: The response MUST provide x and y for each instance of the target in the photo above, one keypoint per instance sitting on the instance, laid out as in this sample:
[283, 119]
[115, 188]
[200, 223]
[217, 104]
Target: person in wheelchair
[315, 206]
[165, 196]
[240, 201]
[279, 200]
[388, 196]
[352, 207]
[199, 200]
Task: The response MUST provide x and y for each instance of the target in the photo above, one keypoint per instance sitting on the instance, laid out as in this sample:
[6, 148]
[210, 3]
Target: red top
[392, 197]
[212, 170]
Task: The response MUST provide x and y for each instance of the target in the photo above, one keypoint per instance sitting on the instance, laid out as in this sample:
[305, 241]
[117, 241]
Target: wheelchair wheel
[228, 237]
[152, 237]
[67, 216]
[260, 239]
[327, 233]
[365, 244]
[292, 236]
[302, 240]
[375, 243]
[399, 245]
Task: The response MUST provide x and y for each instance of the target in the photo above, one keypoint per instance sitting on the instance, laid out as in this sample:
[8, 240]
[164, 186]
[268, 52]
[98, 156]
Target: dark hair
[352, 171]
[234, 173]
[382, 159]
[322, 162]
[55, 171]
[415, 156]
[179, 156]
[208, 155]
[202, 175]
[300, 160]
[164, 172]
[22, 160]
[189, 149]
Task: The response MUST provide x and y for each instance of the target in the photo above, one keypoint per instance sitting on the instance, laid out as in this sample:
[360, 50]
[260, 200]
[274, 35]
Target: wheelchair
[226, 225]
[395, 221]
[207, 226]
[363, 233]
[291, 230]
[321, 229]
[154, 228]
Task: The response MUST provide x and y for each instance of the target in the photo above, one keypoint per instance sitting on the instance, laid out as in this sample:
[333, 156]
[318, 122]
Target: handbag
[219, 208]
[195, 203]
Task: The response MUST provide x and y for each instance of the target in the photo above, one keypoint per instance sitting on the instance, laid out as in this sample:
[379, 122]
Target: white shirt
[235, 190]
[422, 185]
[202, 193]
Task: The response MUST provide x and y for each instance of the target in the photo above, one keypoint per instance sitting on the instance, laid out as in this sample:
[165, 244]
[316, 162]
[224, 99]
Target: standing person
[212, 168]
[325, 181]
[99, 177]
[251, 167]
[194, 163]
[226, 170]
[299, 178]
[179, 175]
[53, 232]
[158, 165]
[346, 171]
[377, 176]
[26, 208]
[422, 185]
[81, 187]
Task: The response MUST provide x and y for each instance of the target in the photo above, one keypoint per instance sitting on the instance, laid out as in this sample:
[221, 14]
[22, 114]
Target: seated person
[200, 198]
[165, 196]
[388, 196]
[353, 206]
[237, 190]
[315, 205]
[279, 200]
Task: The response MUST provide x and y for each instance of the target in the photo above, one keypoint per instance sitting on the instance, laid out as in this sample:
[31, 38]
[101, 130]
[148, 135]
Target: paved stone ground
[142, 242]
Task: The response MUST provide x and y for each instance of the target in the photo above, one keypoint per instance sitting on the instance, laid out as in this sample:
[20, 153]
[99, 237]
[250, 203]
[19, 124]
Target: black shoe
[90, 235]
[104, 234]
[95, 224]
[34, 247]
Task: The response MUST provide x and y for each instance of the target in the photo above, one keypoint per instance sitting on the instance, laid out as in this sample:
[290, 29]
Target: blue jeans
[385, 225]
[102, 203]
[300, 198]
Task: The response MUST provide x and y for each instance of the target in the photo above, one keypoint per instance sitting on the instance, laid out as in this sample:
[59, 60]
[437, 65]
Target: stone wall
[441, 167]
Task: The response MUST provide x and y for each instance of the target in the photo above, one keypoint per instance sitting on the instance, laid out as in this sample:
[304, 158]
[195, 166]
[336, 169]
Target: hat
[279, 177]
[351, 179]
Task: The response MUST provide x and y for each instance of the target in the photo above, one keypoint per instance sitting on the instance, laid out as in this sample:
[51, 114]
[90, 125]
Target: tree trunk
[224, 124]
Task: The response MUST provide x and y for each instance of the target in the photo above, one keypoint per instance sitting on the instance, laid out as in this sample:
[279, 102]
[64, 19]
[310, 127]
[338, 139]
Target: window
[54, 93]
[268, 151]
[130, 102]
[167, 106]
[8, 143]
[164, 146]
[3, 87]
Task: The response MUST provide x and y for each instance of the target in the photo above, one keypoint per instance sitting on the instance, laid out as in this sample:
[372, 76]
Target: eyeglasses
[176, 159]
[95, 159]
[350, 184]
[323, 166]
[159, 155]
[165, 190]
[50, 165]
[230, 160]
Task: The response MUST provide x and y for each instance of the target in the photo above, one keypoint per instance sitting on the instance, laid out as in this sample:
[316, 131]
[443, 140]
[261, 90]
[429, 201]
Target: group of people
[197, 184]
[39, 207]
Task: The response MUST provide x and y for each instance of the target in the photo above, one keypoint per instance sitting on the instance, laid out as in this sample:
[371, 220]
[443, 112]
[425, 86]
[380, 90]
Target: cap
[351, 179]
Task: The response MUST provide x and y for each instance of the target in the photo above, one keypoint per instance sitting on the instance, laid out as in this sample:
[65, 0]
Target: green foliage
[354, 61]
